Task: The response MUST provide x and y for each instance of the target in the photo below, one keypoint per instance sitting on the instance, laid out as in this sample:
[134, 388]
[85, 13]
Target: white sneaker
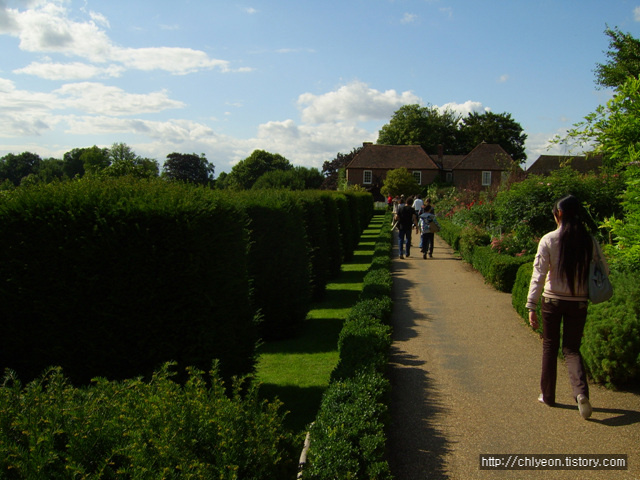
[584, 406]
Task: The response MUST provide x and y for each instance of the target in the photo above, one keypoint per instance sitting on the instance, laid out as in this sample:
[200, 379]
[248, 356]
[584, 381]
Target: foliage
[470, 237]
[246, 172]
[624, 59]
[400, 182]
[498, 270]
[431, 128]
[626, 233]
[15, 167]
[425, 126]
[188, 168]
[498, 128]
[135, 429]
[348, 437]
[124, 162]
[129, 277]
[611, 341]
[516, 243]
[615, 129]
[611, 345]
[298, 178]
[520, 292]
[331, 169]
[527, 205]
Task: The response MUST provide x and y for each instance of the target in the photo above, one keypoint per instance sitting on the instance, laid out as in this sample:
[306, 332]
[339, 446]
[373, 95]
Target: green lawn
[297, 370]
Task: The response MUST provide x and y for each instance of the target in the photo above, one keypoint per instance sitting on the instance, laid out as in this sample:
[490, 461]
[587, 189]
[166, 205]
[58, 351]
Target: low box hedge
[348, 437]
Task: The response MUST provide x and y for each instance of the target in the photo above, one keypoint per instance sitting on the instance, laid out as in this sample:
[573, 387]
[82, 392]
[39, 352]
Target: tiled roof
[411, 157]
[486, 156]
[583, 164]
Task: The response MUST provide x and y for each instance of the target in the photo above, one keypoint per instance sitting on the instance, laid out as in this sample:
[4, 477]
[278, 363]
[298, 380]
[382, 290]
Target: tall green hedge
[115, 277]
[279, 264]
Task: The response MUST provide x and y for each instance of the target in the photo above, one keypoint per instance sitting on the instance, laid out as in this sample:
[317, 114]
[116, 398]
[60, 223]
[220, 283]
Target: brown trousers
[571, 316]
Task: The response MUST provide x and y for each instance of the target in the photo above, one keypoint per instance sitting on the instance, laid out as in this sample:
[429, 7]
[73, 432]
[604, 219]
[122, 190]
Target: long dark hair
[576, 246]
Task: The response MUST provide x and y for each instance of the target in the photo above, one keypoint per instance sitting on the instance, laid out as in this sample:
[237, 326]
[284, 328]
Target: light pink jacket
[546, 278]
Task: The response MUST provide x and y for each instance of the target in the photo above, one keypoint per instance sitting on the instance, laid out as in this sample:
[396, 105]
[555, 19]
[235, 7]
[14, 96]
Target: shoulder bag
[600, 288]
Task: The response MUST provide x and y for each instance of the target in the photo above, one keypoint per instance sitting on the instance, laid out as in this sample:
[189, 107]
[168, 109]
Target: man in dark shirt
[407, 220]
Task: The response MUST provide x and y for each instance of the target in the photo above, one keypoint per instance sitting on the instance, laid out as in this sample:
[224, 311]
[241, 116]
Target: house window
[486, 179]
[448, 177]
[367, 177]
[418, 177]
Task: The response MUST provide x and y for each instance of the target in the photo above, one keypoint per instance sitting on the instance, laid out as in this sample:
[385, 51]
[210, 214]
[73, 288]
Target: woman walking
[560, 273]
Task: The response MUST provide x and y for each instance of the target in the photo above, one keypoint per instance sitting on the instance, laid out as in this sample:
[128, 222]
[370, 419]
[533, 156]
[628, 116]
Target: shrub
[498, 270]
[363, 345]
[470, 237]
[450, 233]
[134, 429]
[530, 201]
[348, 438]
[611, 345]
[376, 284]
[520, 291]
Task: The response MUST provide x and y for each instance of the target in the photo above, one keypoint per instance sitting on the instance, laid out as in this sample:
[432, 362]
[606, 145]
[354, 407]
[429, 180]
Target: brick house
[545, 164]
[487, 165]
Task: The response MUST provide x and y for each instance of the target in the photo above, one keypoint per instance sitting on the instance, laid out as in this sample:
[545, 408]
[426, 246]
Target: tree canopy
[331, 169]
[188, 167]
[246, 172]
[624, 59]
[425, 126]
[497, 128]
[429, 128]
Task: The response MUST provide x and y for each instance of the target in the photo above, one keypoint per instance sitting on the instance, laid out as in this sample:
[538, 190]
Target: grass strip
[297, 370]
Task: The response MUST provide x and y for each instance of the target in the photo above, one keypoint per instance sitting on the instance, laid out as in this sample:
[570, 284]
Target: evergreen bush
[114, 277]
[348, 437]
[611, 345]
[497, 269]
[136, 429]
[278, 259]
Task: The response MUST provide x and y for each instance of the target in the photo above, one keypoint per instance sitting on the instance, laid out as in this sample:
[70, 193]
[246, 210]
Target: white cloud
[69, 71]
[351, 103]
[86, 97]
[503, 78]
[409, 18]
[465, 108]
[96, 98]
[250, 10]
[46, 28]
[636, 14]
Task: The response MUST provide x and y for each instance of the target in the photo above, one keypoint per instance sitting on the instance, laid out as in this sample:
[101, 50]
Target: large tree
[124, 162]
[188, 167]
[331, 169]
[498, 128]
[624, 59]
[245, 173]
[13, 168]
[425, 126]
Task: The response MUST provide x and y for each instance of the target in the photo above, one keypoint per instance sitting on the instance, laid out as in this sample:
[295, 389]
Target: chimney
[440, 152]
[364, 144]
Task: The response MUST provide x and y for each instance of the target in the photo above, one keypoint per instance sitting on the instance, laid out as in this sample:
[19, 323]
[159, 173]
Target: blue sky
[305, 79]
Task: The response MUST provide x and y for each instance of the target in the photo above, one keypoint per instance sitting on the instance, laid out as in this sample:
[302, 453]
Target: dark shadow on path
[417, 446]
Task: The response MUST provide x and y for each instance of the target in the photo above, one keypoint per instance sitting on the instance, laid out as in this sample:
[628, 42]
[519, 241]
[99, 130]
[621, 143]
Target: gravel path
[465, 374]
